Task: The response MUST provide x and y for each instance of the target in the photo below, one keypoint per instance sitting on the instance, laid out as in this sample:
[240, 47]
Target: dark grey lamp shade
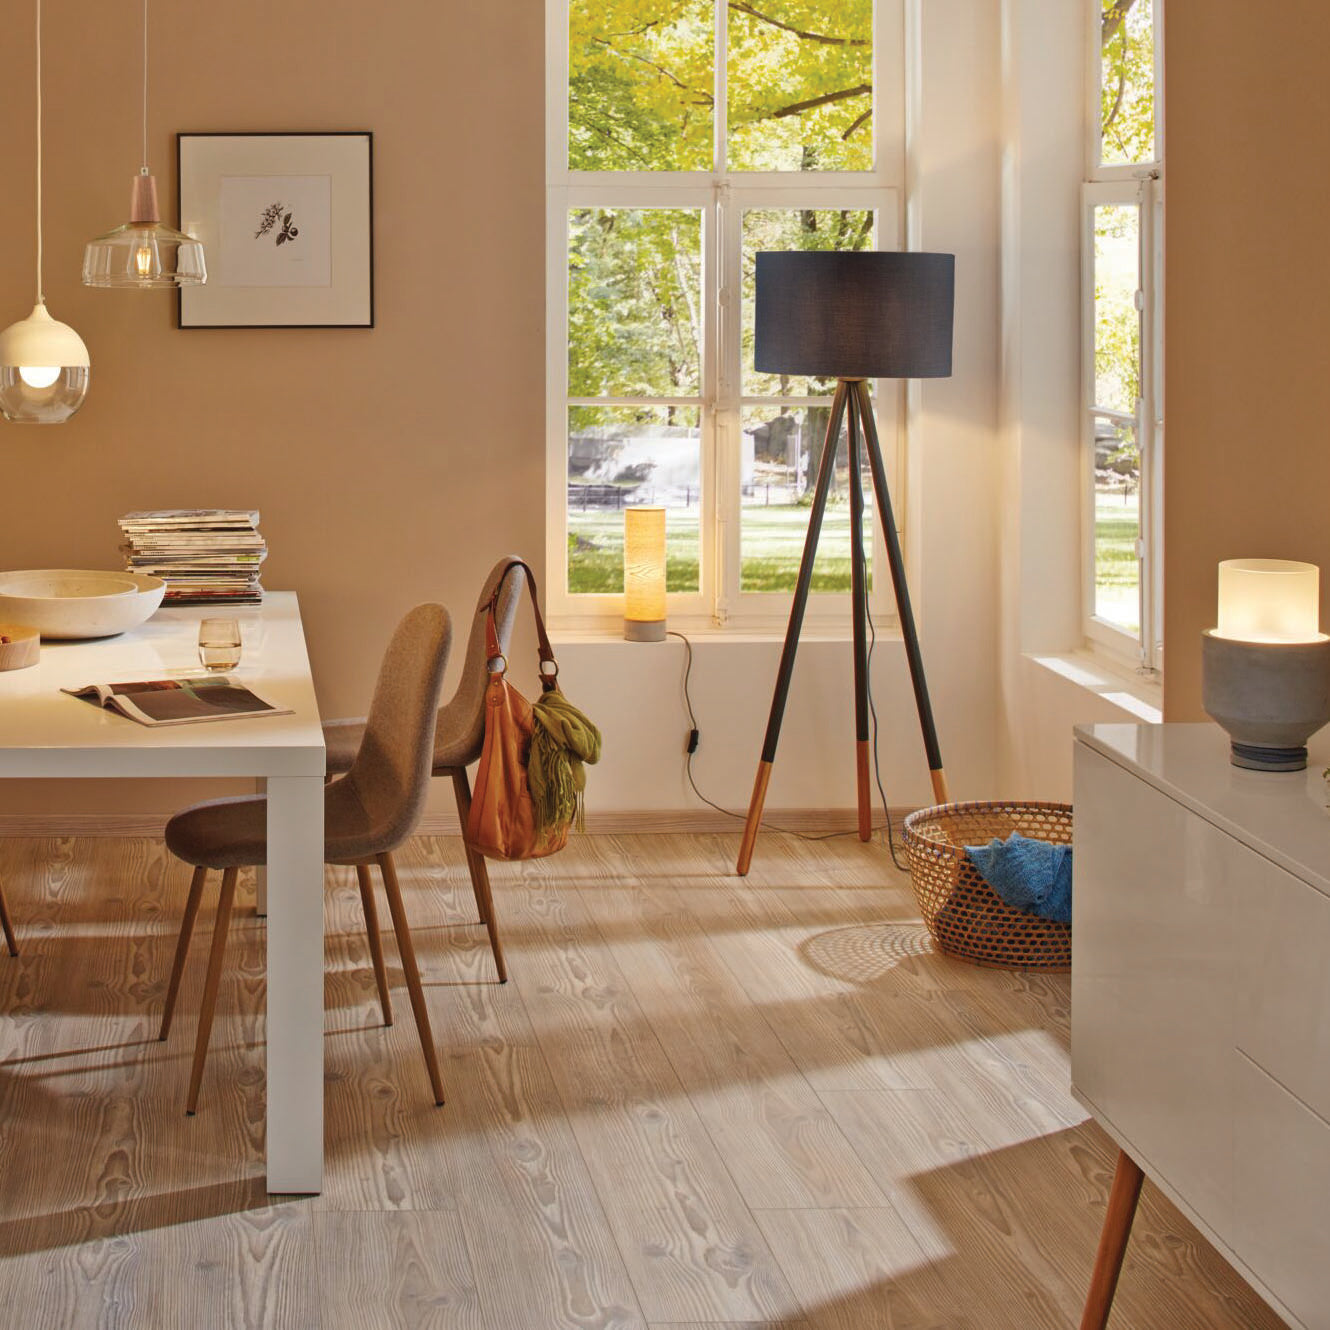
[864, 315]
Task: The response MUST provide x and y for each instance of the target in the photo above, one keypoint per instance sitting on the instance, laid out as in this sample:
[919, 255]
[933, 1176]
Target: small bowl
[74, 603]
[20, 646]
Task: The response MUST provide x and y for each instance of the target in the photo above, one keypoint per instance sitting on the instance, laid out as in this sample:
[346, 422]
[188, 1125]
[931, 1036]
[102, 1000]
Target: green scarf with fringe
[563, 740]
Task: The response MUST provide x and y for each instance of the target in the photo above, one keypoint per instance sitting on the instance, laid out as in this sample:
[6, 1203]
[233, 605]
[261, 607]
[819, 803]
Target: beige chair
[459, 731]
[368, 813]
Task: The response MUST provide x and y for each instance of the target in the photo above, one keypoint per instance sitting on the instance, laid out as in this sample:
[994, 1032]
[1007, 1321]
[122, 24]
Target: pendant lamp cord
[41, 295]
[145, 87]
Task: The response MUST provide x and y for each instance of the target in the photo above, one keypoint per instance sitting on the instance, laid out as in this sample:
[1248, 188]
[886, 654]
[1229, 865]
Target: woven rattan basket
[963, 913]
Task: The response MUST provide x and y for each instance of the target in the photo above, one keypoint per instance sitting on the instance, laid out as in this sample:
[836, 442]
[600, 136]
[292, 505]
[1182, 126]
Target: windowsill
[707, 634]
[1142, 697]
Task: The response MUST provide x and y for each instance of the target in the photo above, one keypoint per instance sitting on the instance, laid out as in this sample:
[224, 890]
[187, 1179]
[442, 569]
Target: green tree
[642, 85]
[1127, 113]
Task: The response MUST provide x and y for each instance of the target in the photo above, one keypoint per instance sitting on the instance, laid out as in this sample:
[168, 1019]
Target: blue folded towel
[1033, 876]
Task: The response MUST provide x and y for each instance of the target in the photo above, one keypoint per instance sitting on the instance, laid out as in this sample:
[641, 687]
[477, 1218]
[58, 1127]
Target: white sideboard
[1200, 1031]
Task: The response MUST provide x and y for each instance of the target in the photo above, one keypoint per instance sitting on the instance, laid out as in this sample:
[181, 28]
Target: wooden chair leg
[408, 954]
[1121, 1211]
[480, 878]
[7, 926]
[219, 931]
[375, 939]
[182, 948]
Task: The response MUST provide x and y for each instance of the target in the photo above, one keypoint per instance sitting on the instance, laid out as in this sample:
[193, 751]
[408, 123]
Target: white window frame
[722, 198]
[1139, 185]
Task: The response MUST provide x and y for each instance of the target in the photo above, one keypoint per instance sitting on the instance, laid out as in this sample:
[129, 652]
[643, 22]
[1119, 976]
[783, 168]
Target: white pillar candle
[1269, 600]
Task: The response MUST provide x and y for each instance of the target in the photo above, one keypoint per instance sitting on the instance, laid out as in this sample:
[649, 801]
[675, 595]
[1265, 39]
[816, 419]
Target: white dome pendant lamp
[144, 253]
[43, 363]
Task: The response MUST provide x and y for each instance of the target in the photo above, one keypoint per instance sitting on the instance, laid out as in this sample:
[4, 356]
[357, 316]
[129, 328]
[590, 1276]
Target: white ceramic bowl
[71, 602]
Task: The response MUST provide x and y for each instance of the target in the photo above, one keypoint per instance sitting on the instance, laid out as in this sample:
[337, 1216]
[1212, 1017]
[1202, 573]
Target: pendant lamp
[144, 252]
[43, 363]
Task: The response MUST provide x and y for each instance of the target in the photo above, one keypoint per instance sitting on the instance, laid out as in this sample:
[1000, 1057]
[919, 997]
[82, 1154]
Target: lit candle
[1269, 600]
[644, 574]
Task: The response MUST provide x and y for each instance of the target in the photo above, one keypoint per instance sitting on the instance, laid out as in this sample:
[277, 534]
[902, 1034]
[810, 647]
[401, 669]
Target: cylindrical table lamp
[1265, 668]
[644, 574]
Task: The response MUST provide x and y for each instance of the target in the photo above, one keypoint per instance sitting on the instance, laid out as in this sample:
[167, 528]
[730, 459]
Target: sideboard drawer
[1281, 1194]
[1283, 1007]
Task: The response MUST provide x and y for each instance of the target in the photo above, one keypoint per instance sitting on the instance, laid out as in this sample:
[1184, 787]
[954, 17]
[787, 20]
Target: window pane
[1117, 322]
[782, 449]
[634, 302]
[1117, 525]
[786, 229]
[1127, 82]
[641, 85]
[800, 85]
[620, 457]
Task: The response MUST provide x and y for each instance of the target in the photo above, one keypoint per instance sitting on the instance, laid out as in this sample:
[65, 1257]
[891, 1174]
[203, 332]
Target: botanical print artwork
[288, 221]
[271, 215]
[274, 231]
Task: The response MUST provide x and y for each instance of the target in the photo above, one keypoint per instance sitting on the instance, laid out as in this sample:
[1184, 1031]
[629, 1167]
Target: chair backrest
[391, 772]
[461, 724]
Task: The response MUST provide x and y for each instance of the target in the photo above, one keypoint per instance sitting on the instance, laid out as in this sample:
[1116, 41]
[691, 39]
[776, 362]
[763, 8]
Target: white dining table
[46, 733]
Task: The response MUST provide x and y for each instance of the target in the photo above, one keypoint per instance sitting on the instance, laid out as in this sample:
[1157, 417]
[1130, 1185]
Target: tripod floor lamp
[855, 316]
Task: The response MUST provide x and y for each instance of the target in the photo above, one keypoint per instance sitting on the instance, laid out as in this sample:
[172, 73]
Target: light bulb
[143, 260]
[39, 376]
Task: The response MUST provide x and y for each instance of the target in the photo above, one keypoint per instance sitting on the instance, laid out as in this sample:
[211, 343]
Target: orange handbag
[505, 821]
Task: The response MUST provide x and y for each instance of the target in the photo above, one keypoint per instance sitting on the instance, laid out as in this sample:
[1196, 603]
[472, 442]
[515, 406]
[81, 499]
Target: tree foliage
[642, 85]
[1127, 120]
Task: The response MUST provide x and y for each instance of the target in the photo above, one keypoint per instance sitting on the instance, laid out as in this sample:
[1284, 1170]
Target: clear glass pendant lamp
[144, 253]
[43, 362]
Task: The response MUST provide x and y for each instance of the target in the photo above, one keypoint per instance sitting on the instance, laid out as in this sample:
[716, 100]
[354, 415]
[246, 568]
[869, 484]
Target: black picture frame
[203, 157]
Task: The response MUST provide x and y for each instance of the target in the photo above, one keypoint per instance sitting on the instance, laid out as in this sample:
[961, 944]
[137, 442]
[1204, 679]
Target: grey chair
[368, 813]
[459, 731]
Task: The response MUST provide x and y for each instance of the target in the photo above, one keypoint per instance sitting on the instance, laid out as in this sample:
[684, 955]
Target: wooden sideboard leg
[1113, 1242]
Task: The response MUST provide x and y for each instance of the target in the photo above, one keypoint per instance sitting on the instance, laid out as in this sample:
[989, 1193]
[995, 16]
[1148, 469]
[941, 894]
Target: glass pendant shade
[43, 370]
[144, 252]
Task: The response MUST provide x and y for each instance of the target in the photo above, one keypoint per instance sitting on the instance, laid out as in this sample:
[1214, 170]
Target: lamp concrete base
[644, 630]
[1271, 697]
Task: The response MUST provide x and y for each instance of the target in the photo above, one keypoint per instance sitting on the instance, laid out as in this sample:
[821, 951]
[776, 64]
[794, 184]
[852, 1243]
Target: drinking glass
[219, 644]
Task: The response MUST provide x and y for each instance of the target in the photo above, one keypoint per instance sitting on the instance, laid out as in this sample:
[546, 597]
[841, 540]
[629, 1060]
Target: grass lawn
[1117, 526]
[772, 544]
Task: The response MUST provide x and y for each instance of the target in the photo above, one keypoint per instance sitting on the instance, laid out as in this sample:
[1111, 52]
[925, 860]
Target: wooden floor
[700, 1102]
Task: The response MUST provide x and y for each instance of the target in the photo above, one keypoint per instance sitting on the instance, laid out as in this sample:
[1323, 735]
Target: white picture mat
[207, 160]
[275, 231]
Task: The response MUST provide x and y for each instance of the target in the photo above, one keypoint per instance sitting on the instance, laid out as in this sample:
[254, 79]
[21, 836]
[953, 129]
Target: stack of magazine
[206, 556]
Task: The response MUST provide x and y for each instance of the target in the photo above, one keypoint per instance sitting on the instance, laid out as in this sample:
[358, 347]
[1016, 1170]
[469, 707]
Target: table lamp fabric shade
[870, 315]
[644, 574]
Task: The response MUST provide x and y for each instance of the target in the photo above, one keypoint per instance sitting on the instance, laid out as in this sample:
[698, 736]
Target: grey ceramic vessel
[1271, 697]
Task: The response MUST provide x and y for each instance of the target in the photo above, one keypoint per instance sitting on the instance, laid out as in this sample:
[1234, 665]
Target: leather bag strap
[492, 649]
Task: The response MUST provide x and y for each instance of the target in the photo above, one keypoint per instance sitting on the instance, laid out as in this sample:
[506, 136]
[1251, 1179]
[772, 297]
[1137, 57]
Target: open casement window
[685, 136]
[1122, 336]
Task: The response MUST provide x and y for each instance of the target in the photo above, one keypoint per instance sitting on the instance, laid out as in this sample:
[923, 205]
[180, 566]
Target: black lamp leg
[897, 564]
[859, 610]
[826, 471]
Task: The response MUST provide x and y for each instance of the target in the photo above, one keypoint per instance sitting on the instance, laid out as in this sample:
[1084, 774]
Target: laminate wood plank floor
[701, 1103]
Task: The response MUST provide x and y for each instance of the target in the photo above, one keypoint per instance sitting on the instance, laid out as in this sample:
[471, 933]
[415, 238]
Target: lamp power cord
[695, 735]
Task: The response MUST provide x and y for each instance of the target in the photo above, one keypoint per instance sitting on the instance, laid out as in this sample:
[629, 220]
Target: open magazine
[178, 701]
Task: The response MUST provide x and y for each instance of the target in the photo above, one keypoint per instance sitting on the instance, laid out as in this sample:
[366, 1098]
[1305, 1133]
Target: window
[685, 136]
[1123, 334]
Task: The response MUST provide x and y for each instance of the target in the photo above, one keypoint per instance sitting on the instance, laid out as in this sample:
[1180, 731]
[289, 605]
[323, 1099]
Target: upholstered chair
[459, 731]
[368, 813]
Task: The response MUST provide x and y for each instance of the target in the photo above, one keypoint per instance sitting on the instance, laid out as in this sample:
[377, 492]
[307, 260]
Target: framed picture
[287, 225]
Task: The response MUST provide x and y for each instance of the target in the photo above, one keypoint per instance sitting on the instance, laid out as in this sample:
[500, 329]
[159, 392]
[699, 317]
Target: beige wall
[391, 465]
[1247, 468]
